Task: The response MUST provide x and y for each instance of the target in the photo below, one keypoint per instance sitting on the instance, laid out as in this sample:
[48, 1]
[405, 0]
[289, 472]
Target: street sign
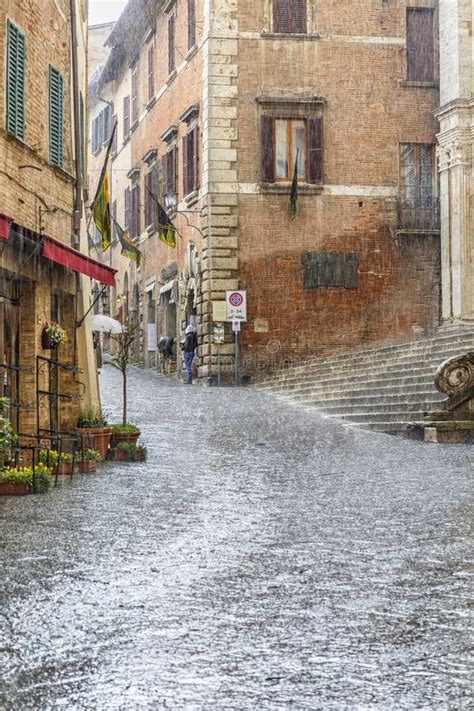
[236, 326]
[219, 333]
[236, 305]
[219, 311]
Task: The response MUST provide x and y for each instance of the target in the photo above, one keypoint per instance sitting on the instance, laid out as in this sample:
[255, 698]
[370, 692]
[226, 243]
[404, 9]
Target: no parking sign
[236, 302]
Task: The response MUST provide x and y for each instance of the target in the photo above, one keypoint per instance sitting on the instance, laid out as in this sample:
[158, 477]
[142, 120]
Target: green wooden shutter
[15, 80]
[81, 134]
[55, 117]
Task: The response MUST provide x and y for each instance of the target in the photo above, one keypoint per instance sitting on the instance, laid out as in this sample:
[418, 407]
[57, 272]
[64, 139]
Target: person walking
[189, 348]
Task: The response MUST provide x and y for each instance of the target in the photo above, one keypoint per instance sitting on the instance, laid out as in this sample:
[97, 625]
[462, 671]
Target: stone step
[414, 375]
[377, 386]
[429, 360]
[371, 399]
[379, 355]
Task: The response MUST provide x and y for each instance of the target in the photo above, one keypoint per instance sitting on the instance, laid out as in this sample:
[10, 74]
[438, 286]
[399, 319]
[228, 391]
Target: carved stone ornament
[455, 378]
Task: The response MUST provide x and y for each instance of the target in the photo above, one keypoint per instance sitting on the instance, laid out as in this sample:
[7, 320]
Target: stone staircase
[383, 389]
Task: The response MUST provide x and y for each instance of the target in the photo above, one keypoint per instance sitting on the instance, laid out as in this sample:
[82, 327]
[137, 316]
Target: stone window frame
[296, 107]
[170, 137]
[191, 118]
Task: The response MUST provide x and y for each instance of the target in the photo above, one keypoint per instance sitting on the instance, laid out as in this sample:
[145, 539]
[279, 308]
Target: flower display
[55, 334]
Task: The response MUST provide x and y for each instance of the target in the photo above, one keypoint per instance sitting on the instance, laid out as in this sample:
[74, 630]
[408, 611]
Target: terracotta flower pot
[123, 437]
[63, 469]
[120, 456]
[96, 438]
[88, 465]
[13, 488]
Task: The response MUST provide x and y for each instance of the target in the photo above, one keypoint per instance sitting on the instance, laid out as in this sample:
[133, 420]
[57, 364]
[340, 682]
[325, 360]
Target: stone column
[455, 159]
[219, 183]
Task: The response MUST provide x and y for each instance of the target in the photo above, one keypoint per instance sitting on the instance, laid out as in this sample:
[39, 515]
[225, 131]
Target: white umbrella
[106, 324]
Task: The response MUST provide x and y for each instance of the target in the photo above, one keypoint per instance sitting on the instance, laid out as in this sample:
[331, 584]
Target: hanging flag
[129, 249]
[101, 205]
[165, 228]
[294, 190]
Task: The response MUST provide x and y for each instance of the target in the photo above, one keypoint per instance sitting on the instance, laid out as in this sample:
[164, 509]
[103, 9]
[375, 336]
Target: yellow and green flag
[101, 205]
[129, 249]
[165, 228]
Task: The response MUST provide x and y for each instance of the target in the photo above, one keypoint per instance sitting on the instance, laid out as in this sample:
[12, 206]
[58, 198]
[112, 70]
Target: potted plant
[88, 460]
[92, 425]
[7, 433]
[121, 361]
[124, 432]
[61, 464]
[129, 452]
[52, 336]
[17, 481]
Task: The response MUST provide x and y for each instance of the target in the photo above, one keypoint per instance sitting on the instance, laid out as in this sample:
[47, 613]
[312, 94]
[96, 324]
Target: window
[171, 43]
[191, 23]
[135, 210]
[417, 174]
[283, 139]
[330, 269]
[420, 44]
[289, 16]
[151, 188]
[135, 112]
[55, 116]
[101, 127]
[127, 213]
[151, 69]
[15, 81]
[191, 161]
[126, 117]
[169, 176]
[114, 142]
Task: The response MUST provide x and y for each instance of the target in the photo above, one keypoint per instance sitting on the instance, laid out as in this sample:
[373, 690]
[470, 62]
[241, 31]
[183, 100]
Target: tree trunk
[124, 414]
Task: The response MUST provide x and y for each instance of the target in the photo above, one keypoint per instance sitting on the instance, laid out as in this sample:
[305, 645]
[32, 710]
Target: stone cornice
[453, 106]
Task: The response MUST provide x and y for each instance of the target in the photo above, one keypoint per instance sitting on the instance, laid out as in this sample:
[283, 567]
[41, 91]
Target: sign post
[236, 304]
[218, 339]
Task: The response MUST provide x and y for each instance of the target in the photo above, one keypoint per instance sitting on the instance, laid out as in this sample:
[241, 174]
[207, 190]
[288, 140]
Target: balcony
[418, 216]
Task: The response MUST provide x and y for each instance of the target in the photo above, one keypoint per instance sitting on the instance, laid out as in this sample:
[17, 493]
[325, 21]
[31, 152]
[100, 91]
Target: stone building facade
[352, 90]
[456, 159]
[45, 273]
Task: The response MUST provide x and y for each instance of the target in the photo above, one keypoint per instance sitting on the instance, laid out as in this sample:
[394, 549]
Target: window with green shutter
[55, 117]
[15, 80]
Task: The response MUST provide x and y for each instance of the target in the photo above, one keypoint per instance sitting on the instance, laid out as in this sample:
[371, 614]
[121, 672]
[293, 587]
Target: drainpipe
[77, 211]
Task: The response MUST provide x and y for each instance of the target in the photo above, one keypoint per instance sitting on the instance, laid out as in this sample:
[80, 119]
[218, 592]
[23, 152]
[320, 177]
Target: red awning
[5, 222]
[61, 253]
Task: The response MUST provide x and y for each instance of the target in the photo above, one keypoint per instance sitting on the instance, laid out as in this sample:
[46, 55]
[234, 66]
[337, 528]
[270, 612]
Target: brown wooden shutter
[164, 177]
[420, 44]
[315, 150]
[298, 22]
[281, 16]
[191, 23]
[196, 157]
[171, 43]
[151, 70]
[267, 149]
[185, 165]
[126, 117]
[127, 220]
[147, 198]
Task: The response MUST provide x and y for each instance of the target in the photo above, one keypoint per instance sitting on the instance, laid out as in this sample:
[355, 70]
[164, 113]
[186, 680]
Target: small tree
[121, 360]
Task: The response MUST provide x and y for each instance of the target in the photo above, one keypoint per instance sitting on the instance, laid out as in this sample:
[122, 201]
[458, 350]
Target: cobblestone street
[263, 558]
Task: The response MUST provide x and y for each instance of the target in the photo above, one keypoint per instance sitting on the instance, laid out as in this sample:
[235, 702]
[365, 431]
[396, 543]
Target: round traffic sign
[236, 299]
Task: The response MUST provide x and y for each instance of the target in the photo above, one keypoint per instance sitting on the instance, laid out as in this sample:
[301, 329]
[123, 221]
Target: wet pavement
[263, 558]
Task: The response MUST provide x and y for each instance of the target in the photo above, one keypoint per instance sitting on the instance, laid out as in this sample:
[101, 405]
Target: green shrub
[124, 427]
[92, 417]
